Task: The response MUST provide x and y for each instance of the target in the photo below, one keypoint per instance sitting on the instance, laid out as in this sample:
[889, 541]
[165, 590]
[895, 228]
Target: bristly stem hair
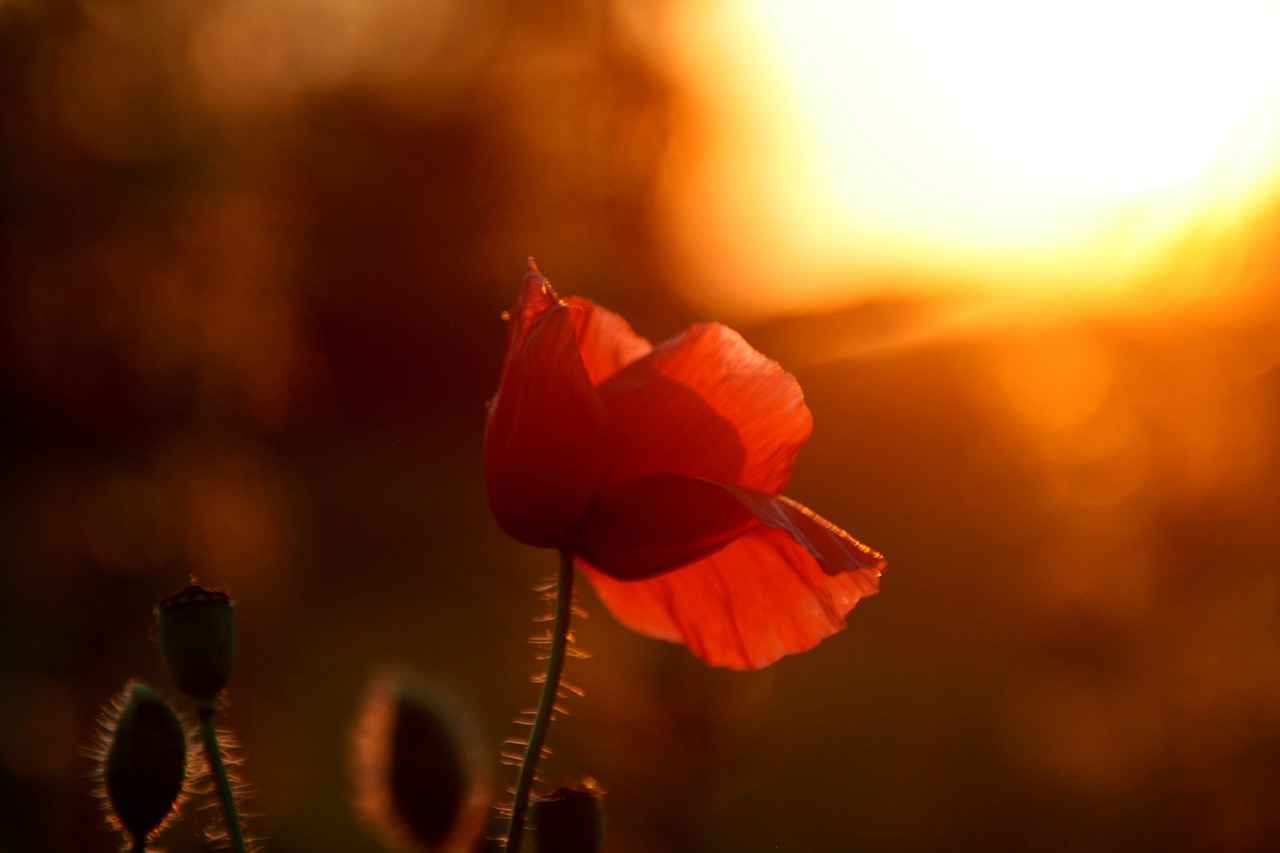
[217, 768]
[556, 653]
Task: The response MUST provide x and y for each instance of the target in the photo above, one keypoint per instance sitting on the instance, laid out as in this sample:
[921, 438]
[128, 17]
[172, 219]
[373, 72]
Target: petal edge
[835, 549]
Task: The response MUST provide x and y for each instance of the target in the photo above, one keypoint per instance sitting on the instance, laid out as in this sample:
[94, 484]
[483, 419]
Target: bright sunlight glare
[1060, 145]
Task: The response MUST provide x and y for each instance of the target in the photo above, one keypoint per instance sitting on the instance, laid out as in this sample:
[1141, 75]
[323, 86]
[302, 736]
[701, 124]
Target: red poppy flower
[660, 469]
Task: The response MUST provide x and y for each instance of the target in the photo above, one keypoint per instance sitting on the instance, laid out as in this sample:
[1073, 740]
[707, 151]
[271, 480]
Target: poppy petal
[835, 549]
[605, 340]
[757, 599]
[657, 522]
[544, 434]
[705, 404]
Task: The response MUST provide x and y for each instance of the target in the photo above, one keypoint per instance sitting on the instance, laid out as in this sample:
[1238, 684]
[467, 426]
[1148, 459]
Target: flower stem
[546, 700]
[226, 796]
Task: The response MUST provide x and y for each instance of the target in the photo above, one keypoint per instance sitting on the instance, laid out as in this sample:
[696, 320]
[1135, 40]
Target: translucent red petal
[705, 404]
[757, 599]
[606, 341]
[657, 522]
[544, 433]
[835, 549]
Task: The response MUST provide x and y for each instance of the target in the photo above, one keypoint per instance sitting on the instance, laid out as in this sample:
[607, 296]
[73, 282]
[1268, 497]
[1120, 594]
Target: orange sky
[1063, 149]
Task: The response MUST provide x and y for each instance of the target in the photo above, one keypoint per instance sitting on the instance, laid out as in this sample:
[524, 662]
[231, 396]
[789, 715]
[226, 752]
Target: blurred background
[1022, 258]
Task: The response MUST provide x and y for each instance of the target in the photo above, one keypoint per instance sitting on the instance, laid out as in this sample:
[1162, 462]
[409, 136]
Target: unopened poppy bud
[569, 820]
[144, 762]
[415, 768]
[197, 633]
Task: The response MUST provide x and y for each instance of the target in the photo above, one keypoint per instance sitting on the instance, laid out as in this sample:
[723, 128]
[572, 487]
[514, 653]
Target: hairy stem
[546, 700]
[226, 796]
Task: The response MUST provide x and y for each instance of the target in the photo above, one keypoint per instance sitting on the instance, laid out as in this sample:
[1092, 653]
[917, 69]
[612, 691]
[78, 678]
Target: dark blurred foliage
[253, 258]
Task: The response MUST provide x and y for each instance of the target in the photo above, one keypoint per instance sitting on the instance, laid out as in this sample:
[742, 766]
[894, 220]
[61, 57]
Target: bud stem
[226, 796]
[546, 700]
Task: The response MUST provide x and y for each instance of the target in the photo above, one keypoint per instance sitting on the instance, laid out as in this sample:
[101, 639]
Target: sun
[1098, 93]
[1055, 145]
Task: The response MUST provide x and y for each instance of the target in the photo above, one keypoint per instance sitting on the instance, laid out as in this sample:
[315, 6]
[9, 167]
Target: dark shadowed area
[253, 259]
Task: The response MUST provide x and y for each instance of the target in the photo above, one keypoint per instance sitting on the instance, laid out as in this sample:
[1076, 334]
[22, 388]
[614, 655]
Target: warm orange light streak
[1047, 147]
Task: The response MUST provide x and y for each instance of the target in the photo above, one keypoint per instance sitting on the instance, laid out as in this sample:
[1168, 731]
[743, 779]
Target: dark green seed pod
[197, 632]
[569, 820]
[145, 762]
[415, 767]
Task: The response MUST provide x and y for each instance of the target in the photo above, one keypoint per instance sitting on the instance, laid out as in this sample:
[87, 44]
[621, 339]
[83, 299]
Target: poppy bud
[569, 820]
[414, 765]
[143, 762]
[197, 634]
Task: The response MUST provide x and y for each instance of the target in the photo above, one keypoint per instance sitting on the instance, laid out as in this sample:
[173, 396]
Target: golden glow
[1015, 144]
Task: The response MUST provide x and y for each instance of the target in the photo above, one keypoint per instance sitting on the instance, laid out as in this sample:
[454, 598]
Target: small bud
[197, 633]
[569, 820]
[143, 762]
[414, 765]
